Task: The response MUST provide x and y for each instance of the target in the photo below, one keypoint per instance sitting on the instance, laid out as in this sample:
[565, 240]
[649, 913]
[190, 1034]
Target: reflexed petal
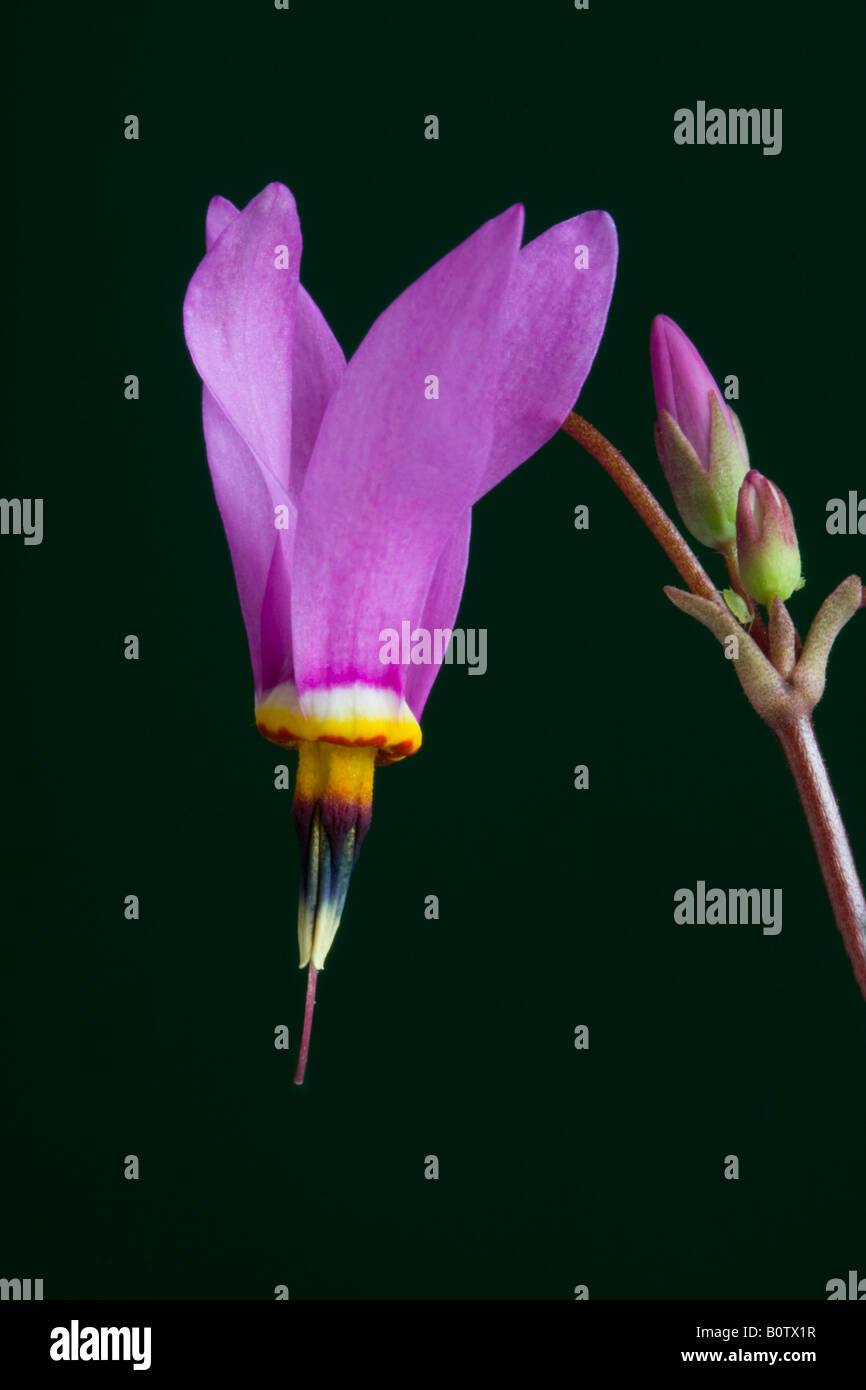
[393, 471]
[246, 496]
[246, 489]
[239, 319]
[318, 362]
[555, 317]
[318, 366]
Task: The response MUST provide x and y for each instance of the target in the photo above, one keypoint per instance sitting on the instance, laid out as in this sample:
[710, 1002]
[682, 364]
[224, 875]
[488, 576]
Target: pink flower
[346, 488]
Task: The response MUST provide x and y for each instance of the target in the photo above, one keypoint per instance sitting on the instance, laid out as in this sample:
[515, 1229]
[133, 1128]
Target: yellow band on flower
[356, 716]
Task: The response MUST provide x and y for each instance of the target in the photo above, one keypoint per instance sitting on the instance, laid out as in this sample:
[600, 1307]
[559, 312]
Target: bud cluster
[702, 449]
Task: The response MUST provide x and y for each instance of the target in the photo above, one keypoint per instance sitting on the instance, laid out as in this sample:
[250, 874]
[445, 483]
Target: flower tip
[218, 205]
[659, 326]
[331, 809]
[602, 220]
[512, 220]
[668, 341]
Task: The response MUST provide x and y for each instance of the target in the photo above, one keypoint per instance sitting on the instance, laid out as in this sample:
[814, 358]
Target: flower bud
[699, 439]
[767, 549]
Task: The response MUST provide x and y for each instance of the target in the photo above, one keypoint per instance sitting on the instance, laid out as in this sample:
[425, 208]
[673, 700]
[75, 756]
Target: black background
[454, 1037]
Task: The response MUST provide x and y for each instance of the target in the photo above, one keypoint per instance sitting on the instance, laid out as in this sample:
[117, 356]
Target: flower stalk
[651, 512]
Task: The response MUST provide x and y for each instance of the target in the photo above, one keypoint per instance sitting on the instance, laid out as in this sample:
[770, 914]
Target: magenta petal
[318, 366]
[247, 495]
[393, 469]
[440, 608]
[555, 317]
[276, 615]
[220, 214]
[239, 318]
[248, 487]
[318, 362]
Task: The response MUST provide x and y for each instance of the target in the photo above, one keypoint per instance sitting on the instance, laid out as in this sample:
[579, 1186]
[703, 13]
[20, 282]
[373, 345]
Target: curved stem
[800, 747]
[312, 976]
[680, 554]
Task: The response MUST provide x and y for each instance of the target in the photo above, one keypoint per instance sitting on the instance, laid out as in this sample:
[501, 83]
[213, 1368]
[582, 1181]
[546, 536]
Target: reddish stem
[680, 554]
[829, 838]
[312, 976]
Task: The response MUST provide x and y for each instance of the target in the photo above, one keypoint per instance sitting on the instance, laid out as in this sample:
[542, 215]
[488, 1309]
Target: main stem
[801, 750]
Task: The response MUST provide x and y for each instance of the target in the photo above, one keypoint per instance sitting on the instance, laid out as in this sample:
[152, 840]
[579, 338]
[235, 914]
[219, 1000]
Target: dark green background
[452, 1037]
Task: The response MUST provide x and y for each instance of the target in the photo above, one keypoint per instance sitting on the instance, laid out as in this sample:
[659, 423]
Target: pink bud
[699, 439]
[682, 382]
[767, 549]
